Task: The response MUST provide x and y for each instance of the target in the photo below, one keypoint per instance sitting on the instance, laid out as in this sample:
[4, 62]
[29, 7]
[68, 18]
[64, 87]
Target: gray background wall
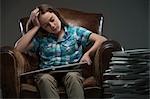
[125, 20]
[149, 22]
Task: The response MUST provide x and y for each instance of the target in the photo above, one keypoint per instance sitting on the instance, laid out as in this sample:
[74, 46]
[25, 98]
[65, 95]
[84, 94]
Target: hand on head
[34, 17]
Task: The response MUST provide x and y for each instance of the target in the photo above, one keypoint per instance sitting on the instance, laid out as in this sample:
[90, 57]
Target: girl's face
[50, 22]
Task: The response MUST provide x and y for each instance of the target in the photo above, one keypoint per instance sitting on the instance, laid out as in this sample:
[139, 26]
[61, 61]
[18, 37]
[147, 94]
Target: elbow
[101, 39]
[18, 47]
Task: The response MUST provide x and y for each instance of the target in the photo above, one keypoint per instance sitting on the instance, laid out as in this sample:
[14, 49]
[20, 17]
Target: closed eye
[51, 20]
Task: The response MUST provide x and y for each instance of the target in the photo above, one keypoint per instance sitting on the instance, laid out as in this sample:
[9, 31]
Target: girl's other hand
[86, 58]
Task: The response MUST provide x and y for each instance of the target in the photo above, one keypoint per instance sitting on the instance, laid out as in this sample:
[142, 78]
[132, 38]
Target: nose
[52, 25]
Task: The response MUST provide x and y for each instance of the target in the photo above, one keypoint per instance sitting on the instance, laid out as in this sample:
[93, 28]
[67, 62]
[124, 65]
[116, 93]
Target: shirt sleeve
[83, 36]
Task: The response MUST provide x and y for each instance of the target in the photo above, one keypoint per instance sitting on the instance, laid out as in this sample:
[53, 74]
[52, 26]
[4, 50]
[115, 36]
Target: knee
[46, 77]
[73, 76]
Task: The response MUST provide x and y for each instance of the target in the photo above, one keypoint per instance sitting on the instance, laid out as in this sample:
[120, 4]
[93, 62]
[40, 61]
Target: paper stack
[128, 75]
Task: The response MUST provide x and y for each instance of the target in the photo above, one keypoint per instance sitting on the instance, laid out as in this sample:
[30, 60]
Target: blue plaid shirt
[54, 52]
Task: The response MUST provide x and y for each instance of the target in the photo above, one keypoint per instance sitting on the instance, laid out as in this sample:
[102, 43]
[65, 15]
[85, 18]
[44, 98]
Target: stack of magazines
[128, 75]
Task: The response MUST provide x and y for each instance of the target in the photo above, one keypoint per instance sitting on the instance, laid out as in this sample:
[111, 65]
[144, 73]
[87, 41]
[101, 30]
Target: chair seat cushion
[28, 87]
[89, 82]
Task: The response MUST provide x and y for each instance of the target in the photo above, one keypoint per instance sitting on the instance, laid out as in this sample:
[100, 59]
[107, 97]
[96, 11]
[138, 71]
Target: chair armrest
[20, 61]
[12, 63]
[102, 58]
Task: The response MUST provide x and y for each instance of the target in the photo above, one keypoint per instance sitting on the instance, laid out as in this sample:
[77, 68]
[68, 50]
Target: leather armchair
[13, 62]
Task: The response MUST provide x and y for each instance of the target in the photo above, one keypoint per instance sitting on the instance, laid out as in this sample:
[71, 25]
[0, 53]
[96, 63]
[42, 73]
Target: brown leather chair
[13, 62]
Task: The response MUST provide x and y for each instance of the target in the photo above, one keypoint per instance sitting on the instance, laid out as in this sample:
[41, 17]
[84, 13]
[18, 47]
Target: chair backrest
[91, 21]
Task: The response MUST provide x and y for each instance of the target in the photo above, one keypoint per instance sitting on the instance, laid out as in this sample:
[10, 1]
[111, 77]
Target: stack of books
[128, 75]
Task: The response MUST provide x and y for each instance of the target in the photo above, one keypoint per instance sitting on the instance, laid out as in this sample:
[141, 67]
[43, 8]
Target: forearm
[25, 40]
[98, 40]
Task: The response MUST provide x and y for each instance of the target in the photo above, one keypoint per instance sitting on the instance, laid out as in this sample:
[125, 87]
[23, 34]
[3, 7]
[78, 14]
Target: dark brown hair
[43, 8]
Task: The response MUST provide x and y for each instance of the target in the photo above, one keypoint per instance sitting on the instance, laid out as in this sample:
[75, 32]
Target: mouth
[55, 28]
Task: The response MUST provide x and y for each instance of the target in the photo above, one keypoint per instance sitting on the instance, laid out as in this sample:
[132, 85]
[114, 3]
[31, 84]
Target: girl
[61, 44]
